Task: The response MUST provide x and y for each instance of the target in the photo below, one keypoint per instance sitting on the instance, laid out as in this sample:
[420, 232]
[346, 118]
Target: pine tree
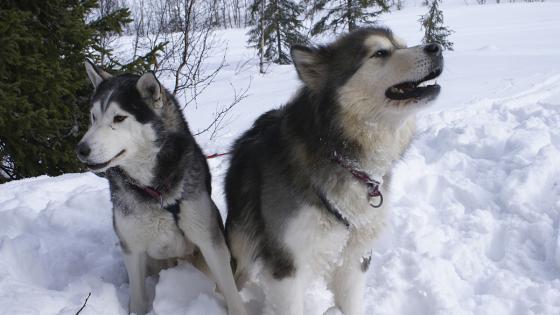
[432, 24]
[44, 93]
[276, 27]
[348, 14]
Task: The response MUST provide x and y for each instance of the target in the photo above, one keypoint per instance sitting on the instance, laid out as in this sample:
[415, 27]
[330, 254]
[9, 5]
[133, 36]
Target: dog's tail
[241, 255]
[239, 274]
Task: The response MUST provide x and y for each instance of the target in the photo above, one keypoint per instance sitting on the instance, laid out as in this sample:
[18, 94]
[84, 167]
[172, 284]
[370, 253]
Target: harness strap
[215, 155]
[332, 208]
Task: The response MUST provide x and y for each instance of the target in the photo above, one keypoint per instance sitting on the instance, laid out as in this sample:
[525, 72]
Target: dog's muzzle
[422, 88]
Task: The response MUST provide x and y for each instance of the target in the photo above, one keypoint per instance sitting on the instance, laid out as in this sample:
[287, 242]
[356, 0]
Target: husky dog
[308, 185]
[159, 182]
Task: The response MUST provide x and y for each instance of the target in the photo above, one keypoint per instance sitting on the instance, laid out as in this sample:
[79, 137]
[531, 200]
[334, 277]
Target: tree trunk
[261, 45]
[351, 17]
[278, 39]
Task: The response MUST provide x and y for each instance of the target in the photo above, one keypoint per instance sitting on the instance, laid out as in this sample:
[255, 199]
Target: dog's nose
[83, 149]
[433, 48]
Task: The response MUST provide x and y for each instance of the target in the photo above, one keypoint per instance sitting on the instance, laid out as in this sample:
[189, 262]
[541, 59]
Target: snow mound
[56, 246]
[186, 283]
[477, 205]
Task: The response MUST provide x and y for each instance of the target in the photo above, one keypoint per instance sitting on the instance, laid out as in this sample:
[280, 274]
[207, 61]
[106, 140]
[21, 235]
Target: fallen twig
[85, 302]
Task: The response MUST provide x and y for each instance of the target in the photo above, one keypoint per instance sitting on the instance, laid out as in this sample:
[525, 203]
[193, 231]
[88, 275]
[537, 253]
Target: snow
[478, 234]
[475, 220]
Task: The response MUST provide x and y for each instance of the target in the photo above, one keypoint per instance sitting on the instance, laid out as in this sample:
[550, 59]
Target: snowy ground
[476, 213]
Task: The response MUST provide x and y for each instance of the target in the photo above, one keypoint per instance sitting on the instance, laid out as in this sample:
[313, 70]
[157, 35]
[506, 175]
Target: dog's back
[243, 186]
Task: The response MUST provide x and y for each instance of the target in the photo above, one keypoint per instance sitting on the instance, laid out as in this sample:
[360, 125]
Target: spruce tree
[276, 27]
[349, 14]
[434, 30]
[43, 88]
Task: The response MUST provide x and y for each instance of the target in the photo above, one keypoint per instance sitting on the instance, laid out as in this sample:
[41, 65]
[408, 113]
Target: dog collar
[154, 193]
[150, 191]
[372, 185]
[372, 188]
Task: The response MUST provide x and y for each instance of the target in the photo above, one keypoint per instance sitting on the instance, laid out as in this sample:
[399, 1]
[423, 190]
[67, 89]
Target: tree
[43, 87]
[434, 30]
[348, 14]
[41, 44]
[185, 32]
[111, 17]
[276, 27]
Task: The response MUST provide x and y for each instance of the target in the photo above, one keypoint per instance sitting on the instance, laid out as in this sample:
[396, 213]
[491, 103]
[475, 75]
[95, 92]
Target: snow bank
[56, 246]
[475, 221]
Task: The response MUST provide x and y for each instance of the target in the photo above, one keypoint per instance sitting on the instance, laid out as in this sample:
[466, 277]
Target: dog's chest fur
[146, 226]
[331, 238]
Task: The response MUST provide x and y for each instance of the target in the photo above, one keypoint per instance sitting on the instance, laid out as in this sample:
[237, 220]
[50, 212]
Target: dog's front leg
[199, 219]
[348, 282]
[136, 268]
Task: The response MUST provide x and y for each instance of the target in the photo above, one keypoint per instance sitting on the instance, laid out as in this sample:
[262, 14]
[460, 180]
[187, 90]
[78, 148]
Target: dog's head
[372, 72]
[124, 117]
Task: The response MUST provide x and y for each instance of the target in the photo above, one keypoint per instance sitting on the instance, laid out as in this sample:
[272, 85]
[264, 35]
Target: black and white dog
[308, 186]
[159, 182]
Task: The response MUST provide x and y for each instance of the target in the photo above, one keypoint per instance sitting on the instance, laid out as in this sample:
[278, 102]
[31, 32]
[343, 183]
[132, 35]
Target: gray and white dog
[308, 186]
[159, 182]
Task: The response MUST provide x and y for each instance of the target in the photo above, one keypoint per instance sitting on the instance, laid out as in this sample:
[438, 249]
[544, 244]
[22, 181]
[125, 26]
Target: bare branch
[219, 116]
[188, 29]
[83, 306]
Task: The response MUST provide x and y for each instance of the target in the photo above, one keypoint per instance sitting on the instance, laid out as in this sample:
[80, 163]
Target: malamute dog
[159, 182]
[308, 186]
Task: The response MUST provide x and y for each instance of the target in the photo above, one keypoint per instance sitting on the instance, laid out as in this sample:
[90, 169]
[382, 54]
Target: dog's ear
[150, 89]
[95, 74]
[309, 65]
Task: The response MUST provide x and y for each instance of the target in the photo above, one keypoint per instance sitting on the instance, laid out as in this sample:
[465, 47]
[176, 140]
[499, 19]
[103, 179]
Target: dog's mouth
[419, 89]
[95, 167]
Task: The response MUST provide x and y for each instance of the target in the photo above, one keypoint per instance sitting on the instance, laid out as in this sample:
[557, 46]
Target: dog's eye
[92, 117]
[119, 119]
[380, 53]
